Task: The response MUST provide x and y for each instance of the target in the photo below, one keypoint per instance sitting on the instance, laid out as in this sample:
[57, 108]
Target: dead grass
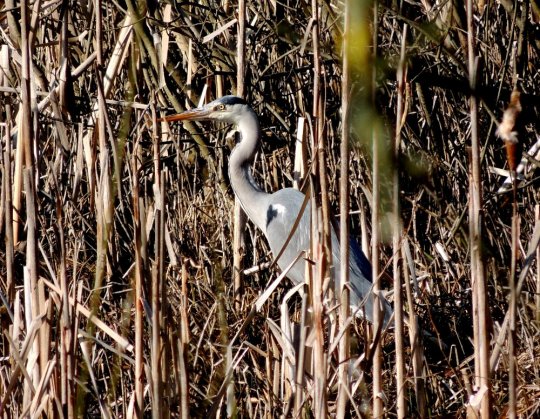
[116, 277]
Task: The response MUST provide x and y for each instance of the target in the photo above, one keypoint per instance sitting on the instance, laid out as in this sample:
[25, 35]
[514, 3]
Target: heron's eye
[220, 107]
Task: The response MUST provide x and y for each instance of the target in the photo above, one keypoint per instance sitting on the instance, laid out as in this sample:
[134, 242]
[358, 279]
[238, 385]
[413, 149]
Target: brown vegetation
[117, 274]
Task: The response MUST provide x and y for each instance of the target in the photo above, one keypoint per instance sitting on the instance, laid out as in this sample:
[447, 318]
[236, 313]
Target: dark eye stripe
[232, 100]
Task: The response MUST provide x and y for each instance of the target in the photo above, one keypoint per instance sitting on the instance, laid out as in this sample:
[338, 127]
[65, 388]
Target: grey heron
[275, 213]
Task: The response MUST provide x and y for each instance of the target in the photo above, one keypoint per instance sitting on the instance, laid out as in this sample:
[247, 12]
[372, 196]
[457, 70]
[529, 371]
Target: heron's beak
[195, 114]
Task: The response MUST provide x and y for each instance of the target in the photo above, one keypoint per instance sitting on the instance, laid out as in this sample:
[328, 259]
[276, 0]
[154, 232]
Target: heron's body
[276, 213]
[283, 209]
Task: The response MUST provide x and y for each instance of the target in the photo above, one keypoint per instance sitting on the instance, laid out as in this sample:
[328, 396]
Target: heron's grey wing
[282, 211]
[360, 279]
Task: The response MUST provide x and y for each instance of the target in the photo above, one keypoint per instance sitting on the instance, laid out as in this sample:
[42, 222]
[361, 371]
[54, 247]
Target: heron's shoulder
[283, 206]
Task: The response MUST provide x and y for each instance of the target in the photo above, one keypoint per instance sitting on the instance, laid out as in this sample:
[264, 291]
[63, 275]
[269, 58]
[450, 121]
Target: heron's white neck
[250, 195]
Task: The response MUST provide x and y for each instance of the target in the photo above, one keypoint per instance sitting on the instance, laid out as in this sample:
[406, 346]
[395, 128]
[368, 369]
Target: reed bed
[120, 287]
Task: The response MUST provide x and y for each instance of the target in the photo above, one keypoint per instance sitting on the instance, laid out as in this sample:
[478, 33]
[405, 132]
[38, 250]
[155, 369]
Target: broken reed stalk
[183, 347]
[478, 280]
[157, 277]
[508, 131]
[396, 235]
[8, 211]
[537, 296]
[344, 204]
[239, 215]
[140, 244]
[512, 373]
[320, 142]
[415, 337]
[378, 405]
[300, 163]
[319, 227]
[529, 259]
[299, 397]
[67, 341]
[319, 395]
[67, 348]
[19, 156]
[27, 143]
[102, 186]
[101, 191]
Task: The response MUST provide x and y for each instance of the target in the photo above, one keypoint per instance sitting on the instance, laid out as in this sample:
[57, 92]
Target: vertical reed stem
[138, 228]
[239, 215]
[378, 406]
[319, 227]
[157, 280]
[415, 338]
[478, 280]
[537, 297]
[344, 345]
[27, 142]
[396, 237]
[8, 204]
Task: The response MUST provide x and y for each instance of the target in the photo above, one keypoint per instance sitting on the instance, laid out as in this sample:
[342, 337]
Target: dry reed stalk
[299, 382]
[508, 132]
[17, 183]
[378, 408]
[319, 394]
[415, 337]
[397, 233]
[529, 259]
[157, 297]
[478, 279]
[183, 346]
[79, 308]
[319, 227]
[287, 336]
[300, 155]
[195, 227]
[377, 391]
[537, 297]
[344, 205]
[140, 251]
[512, 338]
[319, 153]
[34, 302]
[19, 156]
[7, 200]
[20, 360]
[239, 216]
[239, 245]
[102, 193]
[67, 362]
[190, 71]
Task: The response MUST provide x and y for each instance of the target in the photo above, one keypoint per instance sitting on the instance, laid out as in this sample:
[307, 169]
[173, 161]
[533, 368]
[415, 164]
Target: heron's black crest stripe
[232, 100]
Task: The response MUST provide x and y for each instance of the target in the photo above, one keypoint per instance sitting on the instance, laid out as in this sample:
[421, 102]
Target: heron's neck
[250, 195]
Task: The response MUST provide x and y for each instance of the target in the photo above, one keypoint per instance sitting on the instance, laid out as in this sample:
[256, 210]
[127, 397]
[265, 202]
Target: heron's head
[228, 109]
